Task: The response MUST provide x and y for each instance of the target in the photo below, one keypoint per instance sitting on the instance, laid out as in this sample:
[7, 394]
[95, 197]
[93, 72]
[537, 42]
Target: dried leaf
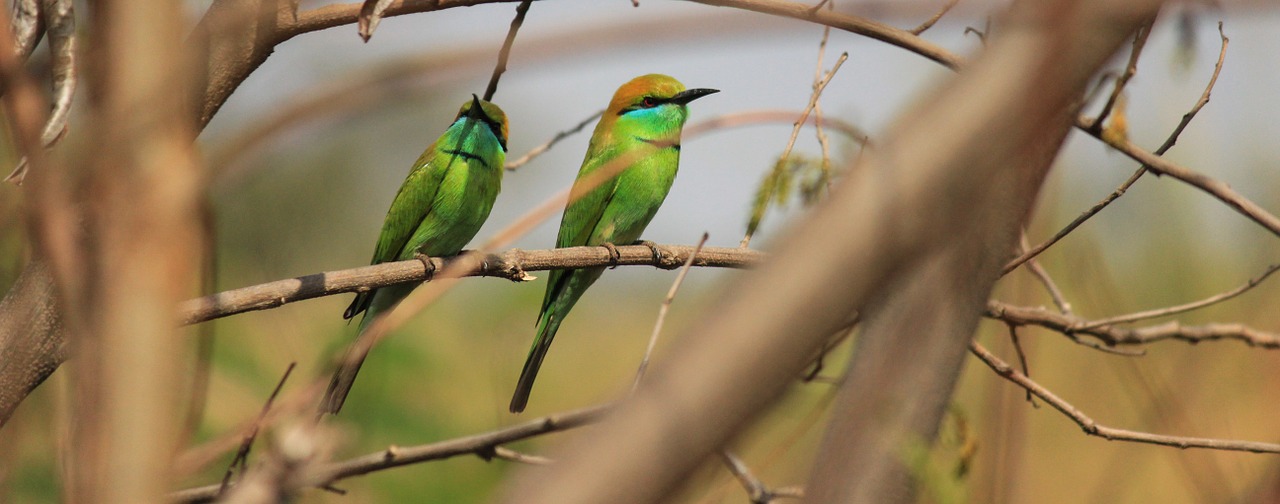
[59, 17]
[1117, 130]
[27, 26]
[370, 16]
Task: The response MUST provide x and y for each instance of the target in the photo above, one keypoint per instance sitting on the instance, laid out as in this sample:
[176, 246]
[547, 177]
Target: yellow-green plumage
[440, 206]
[640, 128]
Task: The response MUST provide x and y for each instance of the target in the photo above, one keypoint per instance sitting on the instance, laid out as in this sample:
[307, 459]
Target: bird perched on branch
[439, 208]
[637, 138]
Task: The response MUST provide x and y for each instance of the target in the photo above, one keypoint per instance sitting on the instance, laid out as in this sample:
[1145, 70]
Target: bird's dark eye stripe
[646, 102]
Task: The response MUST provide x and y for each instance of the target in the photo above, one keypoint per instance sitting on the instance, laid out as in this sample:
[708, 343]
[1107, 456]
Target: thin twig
[817, 105]
[844, 333]
[1080, 219]
[537, 151]
[1049, 285]
[521, 10]
[804, 116]
[821, 3]
[666, 305]
[1131, 69]
[1172, 310]
[757, 491]
[402, 456]
[1119, 191]
[1022, 358]
[242, 454]
[930, 22]
[1092, 428]
[512, 265]
[1072, 327]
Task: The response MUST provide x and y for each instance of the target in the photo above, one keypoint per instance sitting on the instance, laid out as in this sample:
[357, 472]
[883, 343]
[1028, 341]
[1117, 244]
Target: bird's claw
[614, 255]
[427, 264]
[655, 250]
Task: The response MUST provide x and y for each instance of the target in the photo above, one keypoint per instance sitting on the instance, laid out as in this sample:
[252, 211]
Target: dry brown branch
[1022, 358]
[1050, 286]
[27, 361]
[1214, 187]
[666, 305]
[1073, 327]
[512, 265]
[396, 456]
[893, 36]
[505, 53]
[1092, 428]
[1119, 191]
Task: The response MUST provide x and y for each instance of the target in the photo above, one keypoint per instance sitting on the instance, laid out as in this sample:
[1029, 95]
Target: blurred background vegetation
[311, 199]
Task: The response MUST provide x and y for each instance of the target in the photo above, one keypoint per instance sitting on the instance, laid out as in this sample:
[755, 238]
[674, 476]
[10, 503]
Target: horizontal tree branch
[511, 265]
[1092, 428]
[483, 445]
[1111, 335]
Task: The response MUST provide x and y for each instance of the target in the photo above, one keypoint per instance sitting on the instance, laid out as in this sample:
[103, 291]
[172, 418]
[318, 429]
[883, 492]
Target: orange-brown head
[648, 107]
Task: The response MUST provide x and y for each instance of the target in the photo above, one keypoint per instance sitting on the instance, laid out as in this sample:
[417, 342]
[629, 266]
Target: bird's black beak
[476, 111]
[689, 95]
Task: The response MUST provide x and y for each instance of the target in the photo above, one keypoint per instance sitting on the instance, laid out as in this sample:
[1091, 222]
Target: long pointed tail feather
[374, 303]
[345, 376]
[547, 327]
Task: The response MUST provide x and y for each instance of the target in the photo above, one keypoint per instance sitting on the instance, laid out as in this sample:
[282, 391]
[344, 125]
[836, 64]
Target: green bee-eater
[439, 208]
[643, 122]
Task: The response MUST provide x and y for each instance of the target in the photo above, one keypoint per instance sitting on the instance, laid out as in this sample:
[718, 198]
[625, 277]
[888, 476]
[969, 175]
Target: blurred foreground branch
[483, 445]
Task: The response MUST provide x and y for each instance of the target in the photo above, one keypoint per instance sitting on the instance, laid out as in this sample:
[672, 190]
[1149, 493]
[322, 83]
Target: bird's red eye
[649, 102]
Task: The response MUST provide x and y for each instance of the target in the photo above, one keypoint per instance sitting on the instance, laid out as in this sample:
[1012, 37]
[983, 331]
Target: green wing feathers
[409, 208]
